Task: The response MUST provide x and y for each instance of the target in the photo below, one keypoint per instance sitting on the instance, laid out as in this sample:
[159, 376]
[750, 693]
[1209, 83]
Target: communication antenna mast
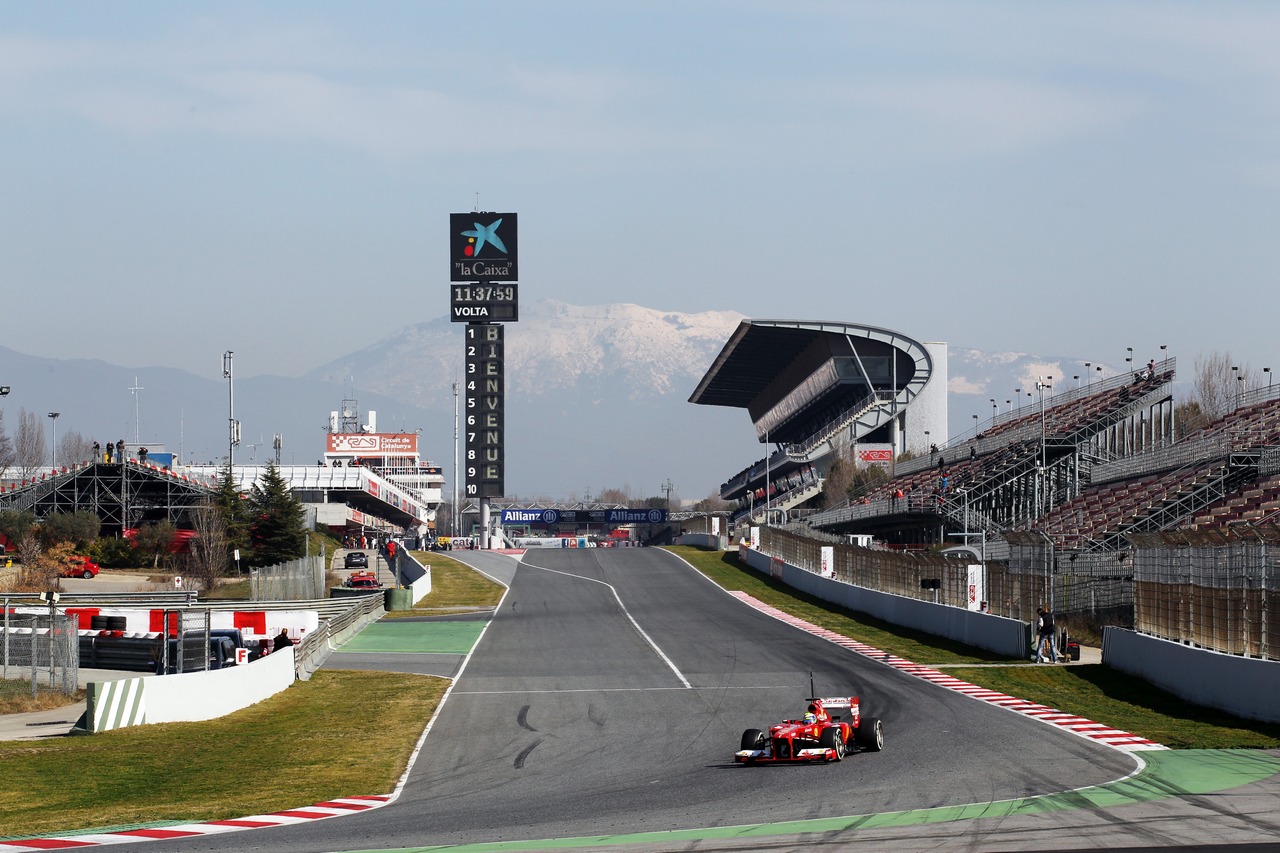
[349, 416]
[233, 426]
[135, 388]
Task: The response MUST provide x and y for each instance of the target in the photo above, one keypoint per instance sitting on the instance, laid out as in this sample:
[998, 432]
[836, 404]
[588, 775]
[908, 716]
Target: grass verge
[16, 698]
[455, 588]
[1093, 691]
[293, 749]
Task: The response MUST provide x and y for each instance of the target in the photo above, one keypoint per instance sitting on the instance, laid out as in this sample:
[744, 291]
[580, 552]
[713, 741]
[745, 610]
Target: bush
[79, 528]
[115, 553]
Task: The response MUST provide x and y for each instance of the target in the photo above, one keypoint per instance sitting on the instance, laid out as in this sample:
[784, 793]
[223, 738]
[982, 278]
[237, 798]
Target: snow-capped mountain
[597, 397]
[554, 347]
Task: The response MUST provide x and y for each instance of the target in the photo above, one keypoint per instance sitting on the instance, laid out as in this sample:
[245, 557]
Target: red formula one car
[823, 735]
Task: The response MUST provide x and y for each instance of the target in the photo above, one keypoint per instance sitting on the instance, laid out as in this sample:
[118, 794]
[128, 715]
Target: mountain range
[597, 397]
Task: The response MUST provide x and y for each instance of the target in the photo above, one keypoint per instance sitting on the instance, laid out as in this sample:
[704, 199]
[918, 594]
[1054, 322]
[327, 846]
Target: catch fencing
[41, 649]
[1216, 595]
[297, 580]
[1088, 595]
[1216, 590]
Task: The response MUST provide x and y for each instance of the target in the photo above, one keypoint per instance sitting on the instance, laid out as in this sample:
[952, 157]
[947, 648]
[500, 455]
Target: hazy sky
[275, 178]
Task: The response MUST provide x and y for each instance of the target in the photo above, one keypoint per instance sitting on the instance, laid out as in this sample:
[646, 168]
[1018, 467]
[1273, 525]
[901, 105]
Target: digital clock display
[484, 303]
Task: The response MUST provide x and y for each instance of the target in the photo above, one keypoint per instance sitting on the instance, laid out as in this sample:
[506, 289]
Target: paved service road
[610, 691]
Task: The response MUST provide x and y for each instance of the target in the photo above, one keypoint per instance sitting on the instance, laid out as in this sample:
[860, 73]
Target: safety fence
[296, 580]
[1219, 593]
[1216, 596]
[42, 649]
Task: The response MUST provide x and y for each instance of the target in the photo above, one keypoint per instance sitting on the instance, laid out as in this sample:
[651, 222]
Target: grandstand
[813, 388]
[123, 496]
[1083, 469]
[1081, 498]
[133, 492]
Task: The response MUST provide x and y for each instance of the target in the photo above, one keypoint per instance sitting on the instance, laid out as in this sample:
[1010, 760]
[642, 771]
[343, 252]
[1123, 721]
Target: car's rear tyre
[871, 734]
[833, 738]
[753, 739]
[87, 575]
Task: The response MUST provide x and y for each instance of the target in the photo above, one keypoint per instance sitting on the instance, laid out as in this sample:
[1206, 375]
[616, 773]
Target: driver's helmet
[810, 718]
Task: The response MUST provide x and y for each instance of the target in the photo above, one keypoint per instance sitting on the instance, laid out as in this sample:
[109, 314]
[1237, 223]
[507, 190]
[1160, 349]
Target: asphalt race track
[611, 688]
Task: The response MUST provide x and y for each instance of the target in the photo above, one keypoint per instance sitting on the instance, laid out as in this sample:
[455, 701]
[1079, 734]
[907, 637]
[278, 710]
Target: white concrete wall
[208, 695]
[999, 634]
[187, 697]
[702, 540]
[1246, 687]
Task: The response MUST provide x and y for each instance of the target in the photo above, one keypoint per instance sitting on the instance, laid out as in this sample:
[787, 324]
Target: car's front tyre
[833, 738]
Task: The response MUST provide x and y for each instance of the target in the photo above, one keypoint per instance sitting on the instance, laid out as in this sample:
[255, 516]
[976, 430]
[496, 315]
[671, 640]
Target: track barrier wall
[703, 540]
[1246, 687]
[188, 697]
[999, 634]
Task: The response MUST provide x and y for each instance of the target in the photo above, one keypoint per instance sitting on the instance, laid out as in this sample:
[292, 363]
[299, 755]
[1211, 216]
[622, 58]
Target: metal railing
[40, 648]
[296, 580]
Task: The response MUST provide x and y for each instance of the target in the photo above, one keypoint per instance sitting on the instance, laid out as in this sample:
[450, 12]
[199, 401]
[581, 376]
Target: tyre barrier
[112, 650]
[255, 625]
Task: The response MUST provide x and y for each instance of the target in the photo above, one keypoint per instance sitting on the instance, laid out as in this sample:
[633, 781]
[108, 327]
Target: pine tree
[278, 521]
[234, 511]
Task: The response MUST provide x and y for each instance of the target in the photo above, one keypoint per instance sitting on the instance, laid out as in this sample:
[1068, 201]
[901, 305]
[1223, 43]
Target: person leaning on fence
[282, 640]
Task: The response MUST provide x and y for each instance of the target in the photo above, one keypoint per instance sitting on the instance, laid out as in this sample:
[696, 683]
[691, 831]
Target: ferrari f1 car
[823, 735]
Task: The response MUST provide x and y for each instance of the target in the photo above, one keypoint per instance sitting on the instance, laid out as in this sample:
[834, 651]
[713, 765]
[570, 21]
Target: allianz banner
[534, 515]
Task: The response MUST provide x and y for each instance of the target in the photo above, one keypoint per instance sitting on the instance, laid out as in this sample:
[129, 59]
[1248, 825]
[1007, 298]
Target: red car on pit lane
[822, 736]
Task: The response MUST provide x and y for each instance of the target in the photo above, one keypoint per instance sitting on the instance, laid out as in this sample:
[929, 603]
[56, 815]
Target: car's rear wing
[837, 706]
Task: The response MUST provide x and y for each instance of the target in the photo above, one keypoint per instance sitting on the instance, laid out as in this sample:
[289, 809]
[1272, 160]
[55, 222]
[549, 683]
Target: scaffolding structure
[123, 496]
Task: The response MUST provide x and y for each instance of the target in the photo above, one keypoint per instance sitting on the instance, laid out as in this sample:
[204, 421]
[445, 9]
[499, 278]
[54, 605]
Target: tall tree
[1218, 383]
[208, 555]
[233, 508]
[31, 451]
[621, 497]
[155, 540]
[7, 454]
[73, 449]
[278, 520]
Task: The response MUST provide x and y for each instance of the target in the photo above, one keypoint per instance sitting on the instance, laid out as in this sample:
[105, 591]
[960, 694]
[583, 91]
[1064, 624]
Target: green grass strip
[400, 637]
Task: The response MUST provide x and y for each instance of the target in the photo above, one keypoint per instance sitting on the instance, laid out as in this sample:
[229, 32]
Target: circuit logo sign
[482, 247]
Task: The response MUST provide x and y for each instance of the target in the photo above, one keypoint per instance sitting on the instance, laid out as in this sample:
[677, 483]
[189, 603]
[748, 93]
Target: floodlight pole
[53, 417]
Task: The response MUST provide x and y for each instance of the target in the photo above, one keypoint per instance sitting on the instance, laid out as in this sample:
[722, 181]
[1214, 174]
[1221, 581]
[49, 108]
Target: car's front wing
[763, 756]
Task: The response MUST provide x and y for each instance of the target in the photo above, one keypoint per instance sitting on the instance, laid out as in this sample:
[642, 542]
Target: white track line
[625, 612]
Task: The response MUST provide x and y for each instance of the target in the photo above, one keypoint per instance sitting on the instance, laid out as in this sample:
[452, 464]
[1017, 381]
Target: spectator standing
[281, 641]
[120, 451]
[1045, 640]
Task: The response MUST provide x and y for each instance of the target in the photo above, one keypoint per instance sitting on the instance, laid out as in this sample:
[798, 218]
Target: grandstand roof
[749, 360]
[757, 349]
